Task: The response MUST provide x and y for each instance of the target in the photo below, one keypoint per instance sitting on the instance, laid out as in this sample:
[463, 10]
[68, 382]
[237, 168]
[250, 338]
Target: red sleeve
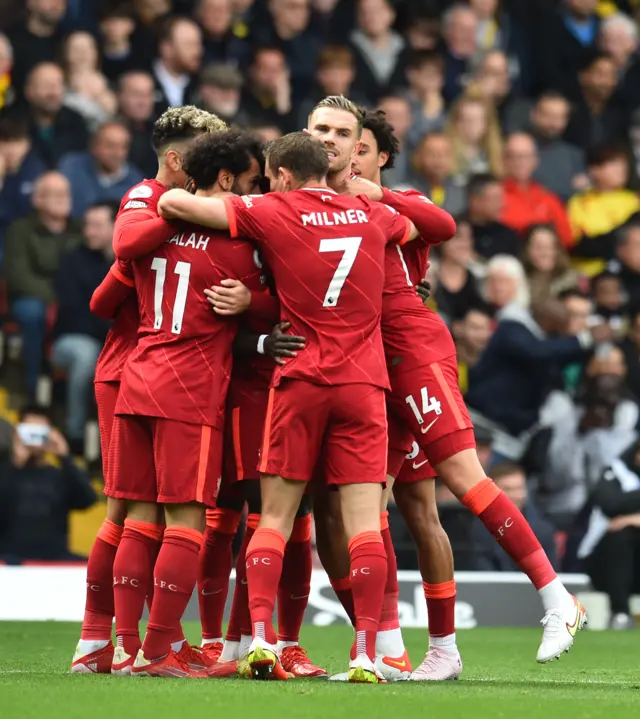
[113, 291]
[434, 224]
[395, 227]
[561, 222]
[249, 215]
[139, 232]
[265, 306]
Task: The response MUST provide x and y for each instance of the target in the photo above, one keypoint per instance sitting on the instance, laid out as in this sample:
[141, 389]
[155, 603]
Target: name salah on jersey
[190, 239]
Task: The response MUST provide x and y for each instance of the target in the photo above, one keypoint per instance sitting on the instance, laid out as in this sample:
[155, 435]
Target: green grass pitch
[599, 679]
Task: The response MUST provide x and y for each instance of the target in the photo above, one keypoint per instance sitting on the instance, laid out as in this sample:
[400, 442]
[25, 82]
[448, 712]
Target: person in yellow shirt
[597, 213]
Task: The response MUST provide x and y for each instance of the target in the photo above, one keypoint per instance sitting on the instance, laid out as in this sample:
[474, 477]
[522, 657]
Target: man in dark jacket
[79, 334]
[36, 497]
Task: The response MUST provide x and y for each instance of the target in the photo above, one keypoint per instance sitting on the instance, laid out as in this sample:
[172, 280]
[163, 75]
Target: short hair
[604, 275]
[552, 95]
[265, 48]
[573, 293]
[602, 154]
[228, 150]
[591, 58]
[34, 409]
[419, 58]
[13, 126]
[335, 56]
[480, 307]
[113, 207]
[300, 153]
[179, 124]
[376, 122]
[506, 469]
[340, 102]
[169, 24]
[478, 183]
[512, 267]
[623, 20]
[121, 10]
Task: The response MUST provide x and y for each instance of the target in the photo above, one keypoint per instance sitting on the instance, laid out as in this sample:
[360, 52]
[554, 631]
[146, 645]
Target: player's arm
[232, 298]
[139, 232]
[277, 344]
[434, 224]
[206, 211]
[113, 291]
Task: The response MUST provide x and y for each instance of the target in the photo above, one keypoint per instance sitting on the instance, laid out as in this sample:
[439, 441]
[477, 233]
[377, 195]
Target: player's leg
[416, 500]
[188, 463]
[443, 429]
[94, 652]
[355, 460]
[132, 473]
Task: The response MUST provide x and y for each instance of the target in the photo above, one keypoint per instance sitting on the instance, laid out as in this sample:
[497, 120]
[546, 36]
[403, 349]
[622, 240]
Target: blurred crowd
[520, 117]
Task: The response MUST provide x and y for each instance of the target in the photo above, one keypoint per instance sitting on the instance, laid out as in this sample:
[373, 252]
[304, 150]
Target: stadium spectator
[398, 115]
[597, 213]
[78, 333]
[619, 38]
[490, 236]
[457, 289]
[475, 134]
[488, 555]
[116, 31]
[425, 75]
[6, 66]
[459, 46]
[597, 116]
[37, 37]
[546, 263]
[472, 336]
[380, 52]
[433, 173]
[526, 202]
[422, 31]
[55, 130]
[136, 111]
[631, 348]
[627, 260]
[611, 545]
[505, 284]
[179, 57]
[266, 97]
[610, 302]
[36, 496]
[220, 91]
[103, 173]
[33, 248]
[221, 45]
[561, 166]
[20, 167]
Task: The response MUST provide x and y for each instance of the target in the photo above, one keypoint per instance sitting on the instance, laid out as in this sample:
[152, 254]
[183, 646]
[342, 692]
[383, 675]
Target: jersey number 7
[183, 270]
[349, 247]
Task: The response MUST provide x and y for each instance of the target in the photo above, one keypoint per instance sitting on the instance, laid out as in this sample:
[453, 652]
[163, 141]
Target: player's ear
[357, 148]
[383, 158]
[225, 180]
[174, 160]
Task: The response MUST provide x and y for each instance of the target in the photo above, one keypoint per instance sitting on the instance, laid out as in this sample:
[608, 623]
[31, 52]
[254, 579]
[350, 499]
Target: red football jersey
[143, 196]
[180, 367]
[326, 252]
[413, 335]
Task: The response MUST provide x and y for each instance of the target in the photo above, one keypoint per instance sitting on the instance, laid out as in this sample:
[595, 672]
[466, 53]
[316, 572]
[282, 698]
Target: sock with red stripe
[174, 578]
[133, 579]
[389, 641]
[240, 618]
[295, 582]
[342, 589]
[265, 555]
[99, 609]
[216, 561]
[513, 533]
[441, 610]
[368, 579]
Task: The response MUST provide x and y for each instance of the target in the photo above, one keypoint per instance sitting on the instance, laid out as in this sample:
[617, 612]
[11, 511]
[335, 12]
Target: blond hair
[340, 102]
[491, 143]
[183, 123]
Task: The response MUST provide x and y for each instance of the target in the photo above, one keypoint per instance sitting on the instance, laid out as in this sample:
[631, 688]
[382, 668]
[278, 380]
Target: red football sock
[216, 561]
[240, 618]
[98, 609]
[342, 589]
[132, 579]
[174, 578]
[265, 555]
[389, 618]
[511, 530]
[441, 607]
[368, 579]
[295, 583]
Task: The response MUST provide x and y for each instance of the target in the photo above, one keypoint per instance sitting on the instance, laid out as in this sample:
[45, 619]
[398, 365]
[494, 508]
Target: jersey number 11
[183, 270]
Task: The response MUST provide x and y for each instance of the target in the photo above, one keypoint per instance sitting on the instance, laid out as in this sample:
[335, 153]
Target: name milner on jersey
[330, 219]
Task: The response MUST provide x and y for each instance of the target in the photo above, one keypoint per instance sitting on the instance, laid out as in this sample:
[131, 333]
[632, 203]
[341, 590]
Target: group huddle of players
[272, 350]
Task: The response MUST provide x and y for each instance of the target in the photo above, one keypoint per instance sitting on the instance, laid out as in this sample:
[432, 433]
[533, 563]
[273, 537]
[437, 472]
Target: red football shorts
[106, 396]
[343, 426]
[246, 410]
[429, 400]
[405, 460]
[166, 461]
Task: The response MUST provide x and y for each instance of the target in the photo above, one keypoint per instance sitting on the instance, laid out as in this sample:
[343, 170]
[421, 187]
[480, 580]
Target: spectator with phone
[36, 496]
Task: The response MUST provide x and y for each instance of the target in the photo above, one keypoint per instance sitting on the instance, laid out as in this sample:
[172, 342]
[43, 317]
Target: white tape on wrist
[260, 347]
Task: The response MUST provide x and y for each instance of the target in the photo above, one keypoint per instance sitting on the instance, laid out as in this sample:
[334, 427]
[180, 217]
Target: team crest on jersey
[140, 191]
[134, 205]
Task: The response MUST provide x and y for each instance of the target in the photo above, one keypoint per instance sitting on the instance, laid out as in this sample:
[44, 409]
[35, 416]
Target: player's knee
[190, 515]
[416, 502]
[143, 512]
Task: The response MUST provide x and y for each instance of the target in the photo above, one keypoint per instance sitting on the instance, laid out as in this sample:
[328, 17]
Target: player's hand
[624, 521]
[424, 290]
[359, 186]
[56, 443]
[190, 186]
[280, 345]
[229, 298]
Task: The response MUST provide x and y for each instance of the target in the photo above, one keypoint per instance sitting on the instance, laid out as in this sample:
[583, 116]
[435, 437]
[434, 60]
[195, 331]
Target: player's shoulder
[144, 195]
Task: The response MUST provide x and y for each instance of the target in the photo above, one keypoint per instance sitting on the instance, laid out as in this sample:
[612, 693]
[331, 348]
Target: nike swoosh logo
[573, 628]
[244, 581]
[304, 596]
[424, 430]
[400, 664]
[420, 464]
[208, 594]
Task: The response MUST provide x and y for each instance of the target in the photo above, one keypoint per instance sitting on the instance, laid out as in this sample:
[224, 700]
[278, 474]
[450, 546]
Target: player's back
[181, 365]
[326, 252]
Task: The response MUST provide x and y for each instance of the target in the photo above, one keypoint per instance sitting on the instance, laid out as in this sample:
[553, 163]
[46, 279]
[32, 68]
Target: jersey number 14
[183, 270]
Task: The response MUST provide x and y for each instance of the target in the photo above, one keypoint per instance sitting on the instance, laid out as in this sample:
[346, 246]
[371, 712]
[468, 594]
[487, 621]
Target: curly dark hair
[230, 150]
[376, 122]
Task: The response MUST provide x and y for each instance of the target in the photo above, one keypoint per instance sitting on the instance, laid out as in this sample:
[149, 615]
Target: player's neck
[165, 177]
[337, 180]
